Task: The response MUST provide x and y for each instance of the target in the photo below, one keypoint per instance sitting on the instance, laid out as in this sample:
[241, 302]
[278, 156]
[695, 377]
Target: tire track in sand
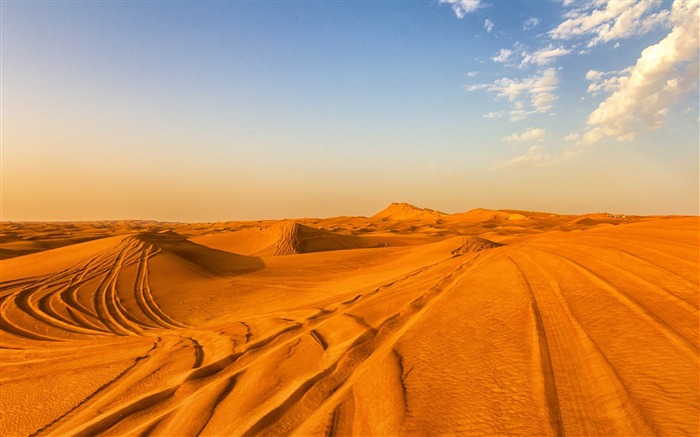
[683, 343]
[545, 361]
[578, 386]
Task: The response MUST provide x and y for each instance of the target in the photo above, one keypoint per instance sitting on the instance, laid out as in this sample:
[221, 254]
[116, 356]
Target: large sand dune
[408, 322]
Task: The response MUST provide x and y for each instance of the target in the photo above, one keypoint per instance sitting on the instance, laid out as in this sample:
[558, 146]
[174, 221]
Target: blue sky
[203, 111]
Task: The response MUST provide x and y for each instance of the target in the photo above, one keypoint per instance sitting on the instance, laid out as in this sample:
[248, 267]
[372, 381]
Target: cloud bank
[608, 20]
[644, 93]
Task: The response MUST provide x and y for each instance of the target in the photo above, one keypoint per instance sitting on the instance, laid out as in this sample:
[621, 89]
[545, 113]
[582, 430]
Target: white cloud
[594, 75]
[664, 72]
[488, 25]
[535, 155]
[502, 55]
[531, 23]
[608, 20]
[572, 137]
[607, 82]
[493, 115]
[527, 96]
[472, 73]
[463, 7]
[532, 134]
[544, 56]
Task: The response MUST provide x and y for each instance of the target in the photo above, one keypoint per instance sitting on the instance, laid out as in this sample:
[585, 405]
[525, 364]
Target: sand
[409, 322]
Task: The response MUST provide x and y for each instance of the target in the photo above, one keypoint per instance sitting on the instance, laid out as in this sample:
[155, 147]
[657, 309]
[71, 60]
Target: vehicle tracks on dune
[98, 391]
[573, 385]
[308, 370]
[370, 345]
[56, 304]
[317, 387]
[548, 378]
[643, 306]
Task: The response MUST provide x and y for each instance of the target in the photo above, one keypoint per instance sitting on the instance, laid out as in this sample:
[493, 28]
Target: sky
[215, 111]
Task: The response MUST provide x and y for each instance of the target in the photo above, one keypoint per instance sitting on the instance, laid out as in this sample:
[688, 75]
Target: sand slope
[561, 325]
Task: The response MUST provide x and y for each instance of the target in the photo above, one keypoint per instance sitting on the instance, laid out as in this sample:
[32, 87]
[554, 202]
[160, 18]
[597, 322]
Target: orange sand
[408, 322]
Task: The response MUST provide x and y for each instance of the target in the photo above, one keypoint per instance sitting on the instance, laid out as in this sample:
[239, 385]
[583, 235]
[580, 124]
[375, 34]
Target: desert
[350, 218]
[407, 322]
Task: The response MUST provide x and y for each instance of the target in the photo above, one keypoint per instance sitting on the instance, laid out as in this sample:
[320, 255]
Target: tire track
[144, 297]
[227, 367]
[54, 301]
[123, 398]
[98, 391]
[545, 359]
[23, 302]
[65, 290]
[667, 254]
[364, 354]
[167, 400]
[691, 307]
[685, 344]
[319, 338]
[597, 382]
[225, 391]
[198, 353]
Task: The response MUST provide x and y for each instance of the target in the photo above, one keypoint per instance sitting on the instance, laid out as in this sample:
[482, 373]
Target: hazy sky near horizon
[209, 111]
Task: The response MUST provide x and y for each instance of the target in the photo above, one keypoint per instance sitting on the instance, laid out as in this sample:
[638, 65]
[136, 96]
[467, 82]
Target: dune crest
[293, 238]
[405, 211]
[281, 238]
[481, 214]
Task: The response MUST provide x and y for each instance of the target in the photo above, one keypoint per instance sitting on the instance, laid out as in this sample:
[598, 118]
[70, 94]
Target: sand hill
[285, 237]
[483, 215]
[479, 323]
[404, 211]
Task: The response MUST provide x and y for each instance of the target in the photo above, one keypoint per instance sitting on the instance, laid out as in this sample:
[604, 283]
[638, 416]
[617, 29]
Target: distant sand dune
[480, 323]
[404, 211]
[281, 238]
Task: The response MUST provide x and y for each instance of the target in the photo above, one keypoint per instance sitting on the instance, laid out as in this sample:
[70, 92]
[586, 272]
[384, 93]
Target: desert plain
[408, 322]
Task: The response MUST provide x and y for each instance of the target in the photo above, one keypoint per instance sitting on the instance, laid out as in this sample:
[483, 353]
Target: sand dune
[404, 211]
[479, 323]
[286, 237]
[482, 215]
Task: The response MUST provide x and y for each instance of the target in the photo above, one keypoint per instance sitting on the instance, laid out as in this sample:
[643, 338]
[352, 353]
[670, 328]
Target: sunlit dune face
[409, 322]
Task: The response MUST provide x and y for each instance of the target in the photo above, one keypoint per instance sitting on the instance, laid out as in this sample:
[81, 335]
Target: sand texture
[409, 322]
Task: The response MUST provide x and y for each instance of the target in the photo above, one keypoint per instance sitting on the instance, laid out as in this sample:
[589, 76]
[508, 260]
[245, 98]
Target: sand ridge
[407, 322]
